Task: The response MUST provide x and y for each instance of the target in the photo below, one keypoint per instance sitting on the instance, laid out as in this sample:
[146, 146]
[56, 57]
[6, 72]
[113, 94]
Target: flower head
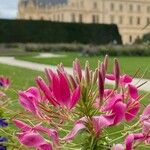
[59, 92]
[30, 99]
[30, 136]
[3, 123]
[4, 82]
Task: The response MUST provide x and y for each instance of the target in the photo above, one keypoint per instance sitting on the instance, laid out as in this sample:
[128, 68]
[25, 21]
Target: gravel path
[40, 67]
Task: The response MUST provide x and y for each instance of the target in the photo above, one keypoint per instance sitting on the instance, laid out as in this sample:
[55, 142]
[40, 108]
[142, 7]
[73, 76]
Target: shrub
[112, 50]
[53, 32]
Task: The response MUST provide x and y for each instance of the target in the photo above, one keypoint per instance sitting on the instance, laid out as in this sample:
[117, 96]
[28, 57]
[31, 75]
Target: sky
[8, 8]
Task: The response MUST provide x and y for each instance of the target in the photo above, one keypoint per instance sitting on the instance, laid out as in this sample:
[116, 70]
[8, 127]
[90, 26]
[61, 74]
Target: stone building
[131, 16]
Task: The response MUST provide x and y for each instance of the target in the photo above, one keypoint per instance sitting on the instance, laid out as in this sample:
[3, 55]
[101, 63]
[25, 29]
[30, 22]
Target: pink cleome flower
[58, 92]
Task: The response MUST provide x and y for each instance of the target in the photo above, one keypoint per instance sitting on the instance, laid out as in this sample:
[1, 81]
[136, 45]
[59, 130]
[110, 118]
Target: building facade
[131, 16]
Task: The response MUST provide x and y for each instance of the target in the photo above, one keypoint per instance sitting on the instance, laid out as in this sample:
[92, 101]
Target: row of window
[120, 7]
[79, 4]
[95, 19]
[131, 20]
[131, 7]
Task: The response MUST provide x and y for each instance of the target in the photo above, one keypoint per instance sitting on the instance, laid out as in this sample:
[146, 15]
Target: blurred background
[54, 31]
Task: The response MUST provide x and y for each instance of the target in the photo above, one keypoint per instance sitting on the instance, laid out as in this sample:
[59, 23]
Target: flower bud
[72, 82]
[103, 71]
[101, 86]
[87, 73]
[116, 73]
[77, 69]
[95, 76]
[106, 62]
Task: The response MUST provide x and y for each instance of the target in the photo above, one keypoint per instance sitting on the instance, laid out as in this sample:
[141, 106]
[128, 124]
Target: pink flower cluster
[83, 100]
[4, 82]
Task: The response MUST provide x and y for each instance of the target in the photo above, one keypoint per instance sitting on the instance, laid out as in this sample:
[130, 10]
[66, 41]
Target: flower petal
[110, 77]
[45, 146]
[100, 122]
[21, 125]
[119, 112]
[146, 113]
[51, 132]
[129, 141]
[64, 89]
[146, 127]
[126, 79]
[118, 147]
[46, 91]
[112, 101]
[35, 92]
[78, 126]
[75, 97]
[132, 110]
[31, 139]
[133, 91]
[27, 101]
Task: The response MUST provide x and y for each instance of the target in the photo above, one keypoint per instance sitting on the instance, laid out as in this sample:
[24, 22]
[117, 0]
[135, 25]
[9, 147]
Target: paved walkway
[40, 67]
[49, 55]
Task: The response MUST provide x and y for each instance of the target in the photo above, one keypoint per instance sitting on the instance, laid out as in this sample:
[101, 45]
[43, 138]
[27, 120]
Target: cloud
[8, 8]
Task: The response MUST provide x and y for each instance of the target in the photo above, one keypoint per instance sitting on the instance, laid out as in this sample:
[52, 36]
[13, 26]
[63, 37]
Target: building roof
[45, 2]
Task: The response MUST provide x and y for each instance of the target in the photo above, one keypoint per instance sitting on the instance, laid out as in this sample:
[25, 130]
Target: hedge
[145, 38]
[23, 31]
[112, 50]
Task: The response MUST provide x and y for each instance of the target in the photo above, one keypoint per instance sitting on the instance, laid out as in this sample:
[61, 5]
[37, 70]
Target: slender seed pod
[106, 62]
[101, 86]
[87, 73]
[116, 73]
[77, 68]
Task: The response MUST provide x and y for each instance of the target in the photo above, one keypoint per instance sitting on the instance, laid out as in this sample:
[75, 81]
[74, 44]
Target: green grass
[20, 78]
[129, 65]
[16, 52]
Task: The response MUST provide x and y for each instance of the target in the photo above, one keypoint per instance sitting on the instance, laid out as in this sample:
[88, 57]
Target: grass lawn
[128, 64]
[20, 78]
[15, 52]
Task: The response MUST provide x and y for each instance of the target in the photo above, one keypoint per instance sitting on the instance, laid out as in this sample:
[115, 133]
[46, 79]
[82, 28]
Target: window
[130, 39]
[148, 21]
[95, 18]
[138, 8]
[80, 18]
[131, 8]
[58, 17]
[42, 18]
[62, 17]
[82, 4]
[112, 6]
[112, 19]
[148, 9]
[130, 20]
[120, 7]
[73, 19]
[54, 18]
[138, 21]
[120, 20]
[30, 18]
[95, 5]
